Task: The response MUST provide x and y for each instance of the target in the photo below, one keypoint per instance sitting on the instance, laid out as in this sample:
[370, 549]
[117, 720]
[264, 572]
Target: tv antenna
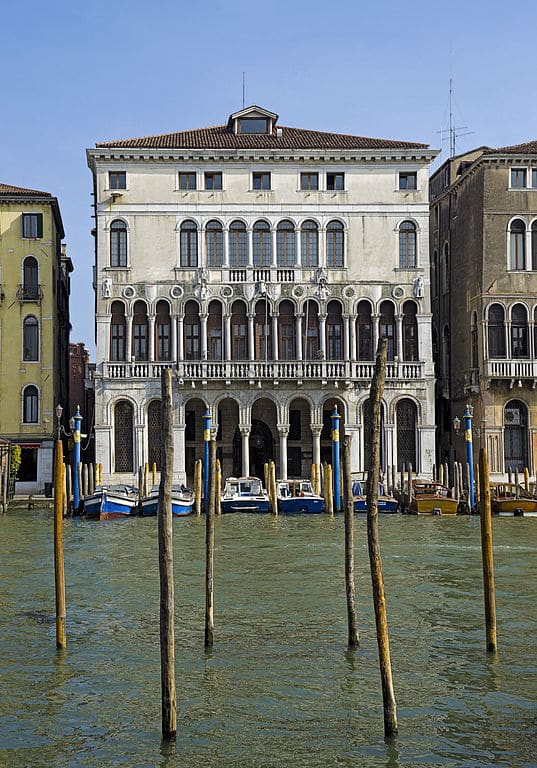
[243, 90]
[453, 131]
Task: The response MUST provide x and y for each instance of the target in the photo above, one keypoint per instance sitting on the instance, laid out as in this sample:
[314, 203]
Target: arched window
[118, 328]
[214, 243]
[140, 329]
[30, 277]
[30, 405]
[410, 331]
[446, 352]
[496, 331]
[519, 331]
[445, 268]
[154, 433]
[192, 331]
[335, 242]
[262, 244]
[123, 437]
[214, 331]
[189, 244]
[474, 351]
[311, 331]
[364, 331]
[406, 420]
[309, 244]
[434, 274]
[118, 244]
[287, 327]
[263, 331]
[286, 244]
[517, 240]
[30, 339]
[387, 327]
[239, 331]
[238, 244]
[515, 420]
[407, 245]
[334, 331]
[163, 332]
[534, 245]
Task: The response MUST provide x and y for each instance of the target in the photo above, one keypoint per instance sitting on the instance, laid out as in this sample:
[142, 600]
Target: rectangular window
[117, 180]
[190, 425]
[534, 178]
[187, 181]
[32, 225]
[408, 180]
[261, 181]
[213, 180]
[335, 182]
[309, 181]
[295, 427]
[253, 125]
[518, 178]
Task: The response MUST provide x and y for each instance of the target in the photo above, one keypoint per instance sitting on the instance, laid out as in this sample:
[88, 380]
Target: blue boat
[112, 502]
[297, 496]
[385, 502]
[244, 494]
[182, 502]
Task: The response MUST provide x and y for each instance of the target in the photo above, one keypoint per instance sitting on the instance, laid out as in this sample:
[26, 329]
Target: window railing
[29, 293]
[511, 369]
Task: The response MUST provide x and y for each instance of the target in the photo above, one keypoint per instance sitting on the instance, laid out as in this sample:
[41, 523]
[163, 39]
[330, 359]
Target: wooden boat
[112, 502]
[512, 500]
[296, 496]
[182, 502]
[430, 498]
[387, 504]
[244, 494]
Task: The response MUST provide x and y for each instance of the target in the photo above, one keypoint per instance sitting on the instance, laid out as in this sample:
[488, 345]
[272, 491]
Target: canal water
[280, 688]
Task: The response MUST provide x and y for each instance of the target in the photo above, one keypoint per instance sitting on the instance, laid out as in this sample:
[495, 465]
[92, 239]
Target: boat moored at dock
[112, 502]
[512, 500]
[429, 498]
[298, 496]
[182, 502]
[386, 503]
[244, 494]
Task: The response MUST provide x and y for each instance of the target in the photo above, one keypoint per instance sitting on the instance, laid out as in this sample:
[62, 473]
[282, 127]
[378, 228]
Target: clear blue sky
[77, 72]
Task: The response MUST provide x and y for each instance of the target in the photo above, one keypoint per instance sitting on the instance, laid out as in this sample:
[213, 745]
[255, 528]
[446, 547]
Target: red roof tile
[223, 137]
[529, 148]
[7, 189]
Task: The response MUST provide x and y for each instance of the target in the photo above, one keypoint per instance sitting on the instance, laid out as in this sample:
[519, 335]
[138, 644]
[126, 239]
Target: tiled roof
[8, 189]
[529, 148]
[223, 137]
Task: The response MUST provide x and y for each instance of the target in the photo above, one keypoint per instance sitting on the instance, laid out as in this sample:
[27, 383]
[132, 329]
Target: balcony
[321, 371]
[512, 369]
[31, 293]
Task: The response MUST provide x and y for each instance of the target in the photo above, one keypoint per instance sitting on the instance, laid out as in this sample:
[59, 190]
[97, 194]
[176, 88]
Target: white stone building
[261, 263]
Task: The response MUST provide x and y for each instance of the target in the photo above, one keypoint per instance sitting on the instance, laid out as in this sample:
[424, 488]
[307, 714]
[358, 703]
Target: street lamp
[468, 416]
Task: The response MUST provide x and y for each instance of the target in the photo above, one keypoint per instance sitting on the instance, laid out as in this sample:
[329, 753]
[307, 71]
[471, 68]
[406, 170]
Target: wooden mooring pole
[209, 548]
[165, 546]
[350, 588]
[379, 597]
[59, 572]
[486, 552]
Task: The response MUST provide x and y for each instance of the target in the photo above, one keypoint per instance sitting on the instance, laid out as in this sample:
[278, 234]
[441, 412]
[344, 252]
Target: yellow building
[34, 328]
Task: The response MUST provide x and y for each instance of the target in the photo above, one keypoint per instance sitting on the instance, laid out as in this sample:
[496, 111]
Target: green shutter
[39, 225]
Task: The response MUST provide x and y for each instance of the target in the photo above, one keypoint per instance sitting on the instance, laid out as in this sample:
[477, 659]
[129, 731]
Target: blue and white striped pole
[468, 414]
[335, 459]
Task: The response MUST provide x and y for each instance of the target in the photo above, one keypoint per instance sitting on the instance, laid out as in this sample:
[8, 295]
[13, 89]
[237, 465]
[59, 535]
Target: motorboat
[295, 496]
[112, 502]
[385, 502]
[244, 494]
[182, 502]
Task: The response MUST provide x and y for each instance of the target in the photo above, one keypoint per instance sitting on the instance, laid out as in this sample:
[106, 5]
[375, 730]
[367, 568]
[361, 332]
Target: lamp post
[206, 439]
[335, 459]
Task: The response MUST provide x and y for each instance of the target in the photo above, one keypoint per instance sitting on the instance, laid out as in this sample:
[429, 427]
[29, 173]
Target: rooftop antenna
[243, 91]
[453, 131]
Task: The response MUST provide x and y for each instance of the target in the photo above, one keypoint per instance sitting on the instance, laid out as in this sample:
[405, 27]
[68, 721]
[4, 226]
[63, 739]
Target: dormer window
[253, 125]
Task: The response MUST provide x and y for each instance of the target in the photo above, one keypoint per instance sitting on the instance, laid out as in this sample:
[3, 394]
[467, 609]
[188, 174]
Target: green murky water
[280, 688]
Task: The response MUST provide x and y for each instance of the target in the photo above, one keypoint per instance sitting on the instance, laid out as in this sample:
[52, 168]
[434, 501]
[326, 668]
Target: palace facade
[261, 263]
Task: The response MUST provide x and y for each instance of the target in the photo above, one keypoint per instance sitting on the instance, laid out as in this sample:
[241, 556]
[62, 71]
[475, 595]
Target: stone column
[251, 345]
[375, 320]
[399, 335]
[275, 350]
[151, 337]
[346, 339]
[299, 355]
[283, 430]
[203, 333]
[128, 338]
[316, 430]
[227, 336]
[353, 355]
[245, 437]
[173, 338]
[322, 335]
